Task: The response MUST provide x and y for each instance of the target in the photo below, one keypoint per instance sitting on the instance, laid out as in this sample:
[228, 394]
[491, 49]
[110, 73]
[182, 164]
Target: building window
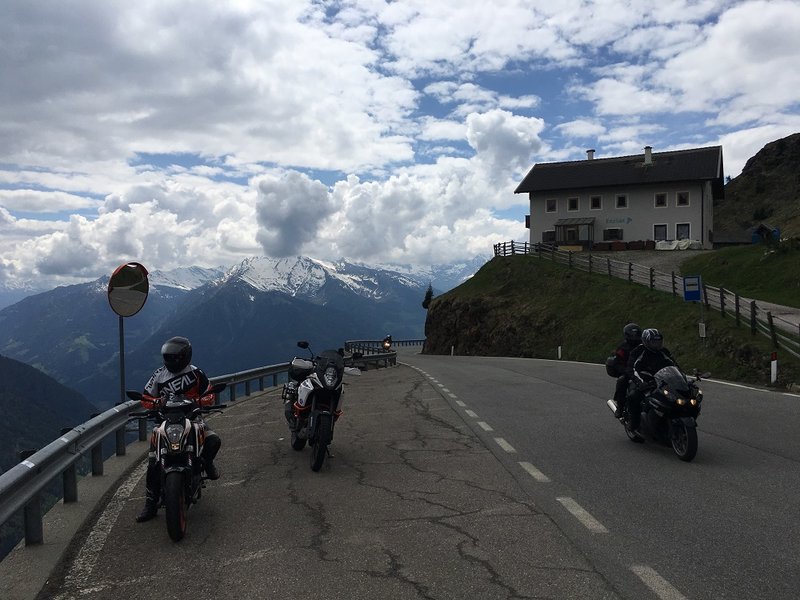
[682, 199]
[622, 201]
[659, 232]
[683, 231]
[550, 205]
[612, 234]
[549, 236]
[596, 203]
[572, 204]
[661, 200]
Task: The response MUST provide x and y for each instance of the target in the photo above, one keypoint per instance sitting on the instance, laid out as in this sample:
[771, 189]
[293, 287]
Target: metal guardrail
[21, 486]
[783, 333]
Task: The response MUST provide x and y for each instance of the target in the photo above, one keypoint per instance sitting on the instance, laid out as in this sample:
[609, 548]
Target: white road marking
[444, 389]
[471, 414]
[485, 426]
[504, 445]
[534, 472]
[584, 517]
[460, 403]
[452, 395]
[86, 560]
[660, 586]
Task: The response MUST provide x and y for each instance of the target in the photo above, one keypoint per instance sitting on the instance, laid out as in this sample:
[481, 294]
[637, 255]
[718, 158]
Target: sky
[199, 132]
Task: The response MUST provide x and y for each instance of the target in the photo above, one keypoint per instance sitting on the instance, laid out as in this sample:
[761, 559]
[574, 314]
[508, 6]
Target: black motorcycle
[313, 399]
[180, 435]
[671, 405]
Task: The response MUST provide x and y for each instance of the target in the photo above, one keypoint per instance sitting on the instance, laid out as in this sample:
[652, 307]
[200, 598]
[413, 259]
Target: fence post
[753, 317]
[590, 264]
[652, 278]
[513, 251]
[674, 289]
[609, 267]
[705, 296]
[32, 513]
[772, 333]
[569, 258]
[630, 272]
[736, 309]
[722, 301]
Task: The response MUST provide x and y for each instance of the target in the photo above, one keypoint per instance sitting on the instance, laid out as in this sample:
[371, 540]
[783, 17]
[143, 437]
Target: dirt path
[665, 261]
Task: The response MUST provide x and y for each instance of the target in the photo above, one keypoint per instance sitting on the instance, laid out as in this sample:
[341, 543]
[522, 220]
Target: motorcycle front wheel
[320, 447]
[175, 505]
[684, 440]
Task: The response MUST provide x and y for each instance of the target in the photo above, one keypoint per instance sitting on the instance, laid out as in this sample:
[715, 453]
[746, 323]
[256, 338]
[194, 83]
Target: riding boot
[210, 449]
[152, 493]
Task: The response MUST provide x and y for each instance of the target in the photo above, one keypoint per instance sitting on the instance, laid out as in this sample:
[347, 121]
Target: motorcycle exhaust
[612, 405]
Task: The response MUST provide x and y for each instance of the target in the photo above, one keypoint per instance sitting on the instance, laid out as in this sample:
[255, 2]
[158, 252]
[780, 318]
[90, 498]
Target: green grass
[769, 272]
[524, 306]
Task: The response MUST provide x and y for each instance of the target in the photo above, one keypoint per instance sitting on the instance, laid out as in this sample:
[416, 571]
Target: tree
[428, 297]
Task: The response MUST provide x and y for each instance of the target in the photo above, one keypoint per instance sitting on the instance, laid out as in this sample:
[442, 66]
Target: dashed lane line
[504, 444]
[485, 426]
[471, 414]
[584, 517]
[660, 586]
[534, 472]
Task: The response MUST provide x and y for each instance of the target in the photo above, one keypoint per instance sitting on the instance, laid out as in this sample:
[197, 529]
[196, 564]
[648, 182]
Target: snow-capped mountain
[248, 316]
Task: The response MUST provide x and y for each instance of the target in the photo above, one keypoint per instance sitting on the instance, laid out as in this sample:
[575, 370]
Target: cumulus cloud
[289, 211]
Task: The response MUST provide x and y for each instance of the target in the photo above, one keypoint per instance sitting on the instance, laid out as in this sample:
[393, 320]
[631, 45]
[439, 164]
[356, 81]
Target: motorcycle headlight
[330, 377]
[174, 434]
[681, 401]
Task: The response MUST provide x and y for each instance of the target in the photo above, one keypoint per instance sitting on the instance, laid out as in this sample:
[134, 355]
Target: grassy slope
[523, 306]
[766, 272]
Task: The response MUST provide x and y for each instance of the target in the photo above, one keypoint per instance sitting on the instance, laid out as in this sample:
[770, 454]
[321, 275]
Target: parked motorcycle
[669, 412]
[313, 399]
[180, 435]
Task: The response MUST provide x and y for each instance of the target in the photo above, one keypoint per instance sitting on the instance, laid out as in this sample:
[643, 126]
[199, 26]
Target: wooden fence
[747, 312]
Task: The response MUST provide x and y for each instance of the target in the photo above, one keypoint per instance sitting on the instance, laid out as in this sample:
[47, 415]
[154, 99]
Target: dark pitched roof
[698, 164]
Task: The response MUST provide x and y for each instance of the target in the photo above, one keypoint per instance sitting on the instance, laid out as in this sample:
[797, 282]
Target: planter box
[618, 245]
[649, 245]
[602, 246]
[637, 245]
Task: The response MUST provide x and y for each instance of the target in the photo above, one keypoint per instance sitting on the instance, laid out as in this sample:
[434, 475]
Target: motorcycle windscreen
[672, 378]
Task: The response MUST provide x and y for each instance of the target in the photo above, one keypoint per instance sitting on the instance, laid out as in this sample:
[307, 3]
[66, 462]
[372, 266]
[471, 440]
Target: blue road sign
[692, 290]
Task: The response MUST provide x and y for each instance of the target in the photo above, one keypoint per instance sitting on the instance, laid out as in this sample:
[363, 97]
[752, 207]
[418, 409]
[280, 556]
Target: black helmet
[652, 339]
[177, 353]
[632, 333]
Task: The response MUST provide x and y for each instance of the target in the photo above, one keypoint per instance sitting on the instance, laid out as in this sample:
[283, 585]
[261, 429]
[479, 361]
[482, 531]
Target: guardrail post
[247, 388]
[142, 429]
[70, 478]
[753, 317]
[120, 435]
[97, 459]
[32, 513]
[772, 330]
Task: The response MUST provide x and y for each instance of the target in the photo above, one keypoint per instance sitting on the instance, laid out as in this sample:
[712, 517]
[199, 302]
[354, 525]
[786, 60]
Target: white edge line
[582, 515]
[504, 444]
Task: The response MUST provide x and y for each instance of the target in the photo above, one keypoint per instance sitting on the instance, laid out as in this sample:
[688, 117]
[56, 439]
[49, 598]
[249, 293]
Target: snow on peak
[185, 278]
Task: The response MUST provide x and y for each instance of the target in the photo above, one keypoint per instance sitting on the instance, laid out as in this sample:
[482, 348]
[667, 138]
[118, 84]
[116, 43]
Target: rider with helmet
[617, 364]
[178, 376]
[644, 362]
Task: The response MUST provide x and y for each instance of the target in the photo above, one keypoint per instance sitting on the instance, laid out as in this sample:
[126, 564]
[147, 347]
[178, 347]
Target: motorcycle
[179, 435]
[387, 344]
[313, 399]
[669, 414]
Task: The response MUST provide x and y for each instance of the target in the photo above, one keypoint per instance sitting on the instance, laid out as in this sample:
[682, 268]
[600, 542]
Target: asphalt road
[726, 525]
[466, 477]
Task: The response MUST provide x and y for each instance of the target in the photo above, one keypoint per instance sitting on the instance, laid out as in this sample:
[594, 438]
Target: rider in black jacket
[645, 360]
[617, 364]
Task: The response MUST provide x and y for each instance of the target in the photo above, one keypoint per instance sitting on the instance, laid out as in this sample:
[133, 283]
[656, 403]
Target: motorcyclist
[176, 376]
[387, 342]
[617, 363]
[644, 362]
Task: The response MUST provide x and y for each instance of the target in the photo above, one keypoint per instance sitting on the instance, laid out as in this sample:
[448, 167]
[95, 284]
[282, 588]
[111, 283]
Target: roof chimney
[648, 155]
[590, 154]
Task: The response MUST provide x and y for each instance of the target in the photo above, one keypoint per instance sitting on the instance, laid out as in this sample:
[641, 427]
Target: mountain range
[238, 318]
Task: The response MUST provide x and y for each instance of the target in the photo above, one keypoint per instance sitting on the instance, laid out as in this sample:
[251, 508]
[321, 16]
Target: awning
[576, 221]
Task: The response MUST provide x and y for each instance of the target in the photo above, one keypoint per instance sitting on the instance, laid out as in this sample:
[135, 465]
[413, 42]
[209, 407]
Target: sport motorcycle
[313, 399]
[179, 437]
[671, 405]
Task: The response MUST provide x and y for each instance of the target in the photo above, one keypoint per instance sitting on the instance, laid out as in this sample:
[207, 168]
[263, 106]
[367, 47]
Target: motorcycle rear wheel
[175, 505]
[684, 441]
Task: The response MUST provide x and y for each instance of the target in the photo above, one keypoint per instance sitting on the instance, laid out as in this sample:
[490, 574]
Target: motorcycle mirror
[133, 395]
[303, 345]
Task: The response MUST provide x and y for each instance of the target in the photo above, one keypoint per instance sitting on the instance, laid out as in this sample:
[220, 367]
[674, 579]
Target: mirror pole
[121, 360]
